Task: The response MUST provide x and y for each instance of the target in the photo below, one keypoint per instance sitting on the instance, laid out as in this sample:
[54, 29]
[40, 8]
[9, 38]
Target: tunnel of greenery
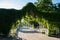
[9, 17]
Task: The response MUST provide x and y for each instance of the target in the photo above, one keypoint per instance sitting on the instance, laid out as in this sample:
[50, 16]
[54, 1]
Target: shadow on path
[29, 31]
[56, 36]
[10, 38]
[17, 38]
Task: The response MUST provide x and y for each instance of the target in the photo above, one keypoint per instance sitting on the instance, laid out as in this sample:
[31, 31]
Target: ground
[26, 33]
[29, 34]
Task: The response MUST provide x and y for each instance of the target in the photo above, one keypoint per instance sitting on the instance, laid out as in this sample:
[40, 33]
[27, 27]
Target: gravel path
[35, 36]
[28, 34]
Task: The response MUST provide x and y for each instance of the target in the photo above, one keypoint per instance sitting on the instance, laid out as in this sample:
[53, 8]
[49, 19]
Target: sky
[17, 4]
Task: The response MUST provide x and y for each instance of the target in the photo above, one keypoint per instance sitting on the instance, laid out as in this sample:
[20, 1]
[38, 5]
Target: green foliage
[44, 5]
[8, 17]
[31, 13]
[59, 5]
[49, 15]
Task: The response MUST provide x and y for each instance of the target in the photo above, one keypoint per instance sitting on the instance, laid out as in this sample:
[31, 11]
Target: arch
[10, 16]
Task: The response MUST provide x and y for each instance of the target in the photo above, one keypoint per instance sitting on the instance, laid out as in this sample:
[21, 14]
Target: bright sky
[17, 4]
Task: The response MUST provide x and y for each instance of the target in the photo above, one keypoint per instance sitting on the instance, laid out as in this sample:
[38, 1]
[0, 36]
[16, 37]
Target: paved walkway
[29, 34]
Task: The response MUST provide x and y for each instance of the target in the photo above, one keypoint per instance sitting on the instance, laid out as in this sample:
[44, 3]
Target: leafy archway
[8, 17]
[49, 19]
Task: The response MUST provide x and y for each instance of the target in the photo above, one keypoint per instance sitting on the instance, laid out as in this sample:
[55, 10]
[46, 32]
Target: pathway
[30, 34]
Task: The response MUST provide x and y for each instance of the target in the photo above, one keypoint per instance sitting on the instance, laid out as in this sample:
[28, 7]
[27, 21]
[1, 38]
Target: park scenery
[37, 20]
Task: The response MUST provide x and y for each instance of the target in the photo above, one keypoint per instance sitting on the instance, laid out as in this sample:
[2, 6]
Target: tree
[8, 17]
[44, 4]
[58, 6]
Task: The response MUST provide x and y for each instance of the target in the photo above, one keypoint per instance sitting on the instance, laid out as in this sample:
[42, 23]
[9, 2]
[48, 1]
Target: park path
[30, 34]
